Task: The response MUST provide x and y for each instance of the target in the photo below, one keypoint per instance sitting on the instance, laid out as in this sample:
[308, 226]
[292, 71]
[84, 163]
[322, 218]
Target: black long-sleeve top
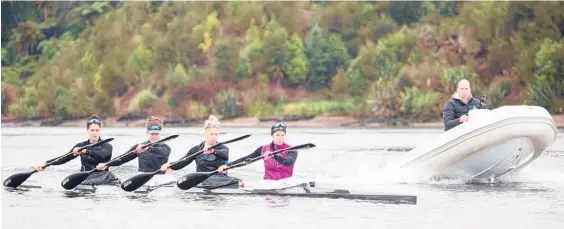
[205, 162]
[150, 160]
[92, 157]
[288, 160]
[455, 108]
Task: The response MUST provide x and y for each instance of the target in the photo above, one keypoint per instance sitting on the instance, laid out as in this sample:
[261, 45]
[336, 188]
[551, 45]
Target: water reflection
[276, 202]
[205, 199]
[492, 188]
[141, 198]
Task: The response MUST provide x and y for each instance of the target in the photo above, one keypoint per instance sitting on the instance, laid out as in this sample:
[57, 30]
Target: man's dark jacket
[455, 108]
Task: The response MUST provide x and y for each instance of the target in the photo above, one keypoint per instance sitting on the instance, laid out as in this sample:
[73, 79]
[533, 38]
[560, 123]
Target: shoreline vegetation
[304, 122]
[383, 63]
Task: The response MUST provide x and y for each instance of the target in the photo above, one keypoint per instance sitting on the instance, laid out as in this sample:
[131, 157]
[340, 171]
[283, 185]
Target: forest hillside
[186, 60]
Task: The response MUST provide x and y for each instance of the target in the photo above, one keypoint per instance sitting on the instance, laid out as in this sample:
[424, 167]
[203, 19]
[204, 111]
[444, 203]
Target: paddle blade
[74, 180]
[136, 181]
[192, 179]
[17, 179]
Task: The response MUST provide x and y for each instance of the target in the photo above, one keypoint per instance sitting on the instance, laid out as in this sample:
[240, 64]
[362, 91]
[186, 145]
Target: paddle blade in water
[192, 179]
[136, 181]
[17, 179]
[74, 180]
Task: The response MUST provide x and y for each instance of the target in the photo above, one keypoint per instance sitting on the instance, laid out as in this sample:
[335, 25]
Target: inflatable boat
[492, 143]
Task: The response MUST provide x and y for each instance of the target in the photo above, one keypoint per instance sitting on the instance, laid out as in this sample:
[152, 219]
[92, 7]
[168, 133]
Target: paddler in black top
[91, 157]
[210, 160]
[153, 157]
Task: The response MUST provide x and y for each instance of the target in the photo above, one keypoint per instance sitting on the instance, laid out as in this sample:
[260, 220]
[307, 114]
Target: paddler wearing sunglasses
[91, 157]
[150, 158]
[277, 167]
[210, 160]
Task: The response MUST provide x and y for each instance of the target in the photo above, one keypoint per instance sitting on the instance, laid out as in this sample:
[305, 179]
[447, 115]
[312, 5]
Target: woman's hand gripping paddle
[192, 179]
[75, 179]
[139, 180]
[17, 179]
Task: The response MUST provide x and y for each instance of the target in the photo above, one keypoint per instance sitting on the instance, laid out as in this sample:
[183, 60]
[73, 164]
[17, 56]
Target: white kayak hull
[492, 143]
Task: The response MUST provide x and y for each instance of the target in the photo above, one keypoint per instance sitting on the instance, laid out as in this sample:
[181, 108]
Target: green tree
[340, 85]
[276, 50]
[241, 14]
[404, 12]
[547, 86]
[296, 68]
[326, 53]
[226, 60]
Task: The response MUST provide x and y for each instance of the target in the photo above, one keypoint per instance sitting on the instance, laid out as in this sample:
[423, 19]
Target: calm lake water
[343, 158]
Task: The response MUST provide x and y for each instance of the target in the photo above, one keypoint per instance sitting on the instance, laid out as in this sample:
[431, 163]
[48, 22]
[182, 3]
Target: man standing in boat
[456, 109]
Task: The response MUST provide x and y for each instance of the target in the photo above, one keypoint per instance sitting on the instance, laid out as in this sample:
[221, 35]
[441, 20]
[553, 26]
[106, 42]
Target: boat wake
[544, 170]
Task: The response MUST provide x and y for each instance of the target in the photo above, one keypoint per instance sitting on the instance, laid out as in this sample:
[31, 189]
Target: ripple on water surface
[343, 158]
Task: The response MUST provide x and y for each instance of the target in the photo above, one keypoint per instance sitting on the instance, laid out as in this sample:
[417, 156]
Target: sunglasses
[279, 125]
[153, 128]
[94, 121]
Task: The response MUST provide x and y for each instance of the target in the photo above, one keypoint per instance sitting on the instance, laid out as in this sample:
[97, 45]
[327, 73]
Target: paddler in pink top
[276, 167]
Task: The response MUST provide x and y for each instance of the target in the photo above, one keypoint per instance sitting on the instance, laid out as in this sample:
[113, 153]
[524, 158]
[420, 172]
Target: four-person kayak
[299, 189]
[212, 162]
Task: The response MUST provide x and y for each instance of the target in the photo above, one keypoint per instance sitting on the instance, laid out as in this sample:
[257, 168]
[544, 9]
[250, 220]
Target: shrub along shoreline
[313, 121]
[318, 121]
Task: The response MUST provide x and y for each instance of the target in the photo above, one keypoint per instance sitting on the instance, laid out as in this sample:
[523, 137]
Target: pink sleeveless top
[272, 169]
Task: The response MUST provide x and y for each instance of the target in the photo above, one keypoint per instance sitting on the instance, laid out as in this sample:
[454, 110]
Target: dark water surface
[343, 158]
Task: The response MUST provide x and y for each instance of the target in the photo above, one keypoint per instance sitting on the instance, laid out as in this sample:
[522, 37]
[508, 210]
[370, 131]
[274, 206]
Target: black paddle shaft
[193, 156]
[75, 179]
[144, 147]
[80, 149]
[191, 180]
[139, 180]
[249, 161]
[17, 179]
